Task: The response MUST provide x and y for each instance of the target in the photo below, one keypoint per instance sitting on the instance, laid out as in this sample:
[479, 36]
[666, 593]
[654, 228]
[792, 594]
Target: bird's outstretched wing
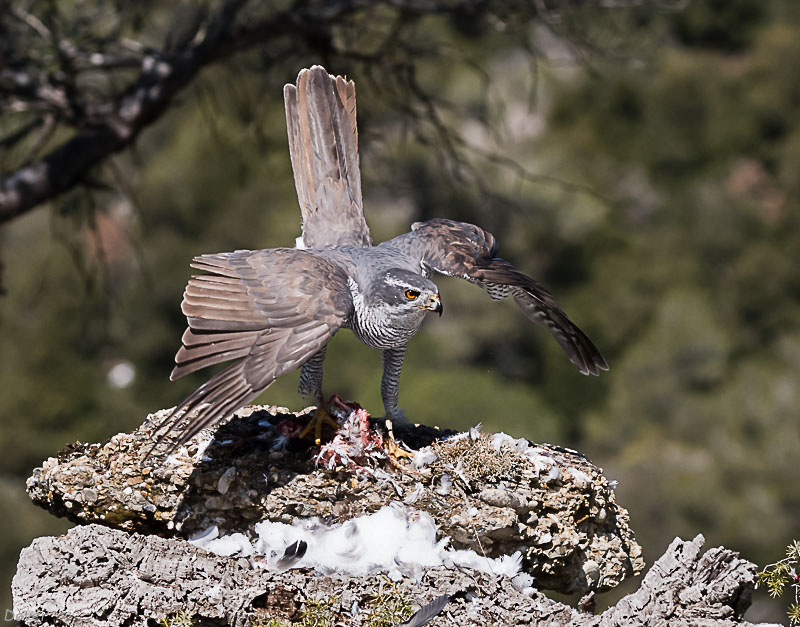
[270, 310]
[467, 251]
[323, 144]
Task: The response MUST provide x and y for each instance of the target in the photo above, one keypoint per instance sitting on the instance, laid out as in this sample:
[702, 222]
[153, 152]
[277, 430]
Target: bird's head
[407, 291]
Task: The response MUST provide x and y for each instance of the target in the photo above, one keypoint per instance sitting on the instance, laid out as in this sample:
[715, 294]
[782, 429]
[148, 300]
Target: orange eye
[411, 294]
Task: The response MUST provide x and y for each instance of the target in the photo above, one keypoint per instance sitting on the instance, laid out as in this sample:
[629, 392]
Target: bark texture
[99, 576]
[109, 127]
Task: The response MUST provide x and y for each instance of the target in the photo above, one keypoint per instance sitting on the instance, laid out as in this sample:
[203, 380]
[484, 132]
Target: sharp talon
[393, 449]
[320, 416]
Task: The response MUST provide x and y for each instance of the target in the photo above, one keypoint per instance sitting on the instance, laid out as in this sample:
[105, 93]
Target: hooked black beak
[436, 305]
[433, 304]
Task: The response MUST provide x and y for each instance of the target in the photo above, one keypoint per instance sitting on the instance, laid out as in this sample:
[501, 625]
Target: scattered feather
[424, 457]
[580, 478]
[204, 536]
[233, 544]
[413, 497]
[427, 612]
[445, 485]
[396, 540]
[553, 475]
[225, 480]
[523, 582]
[475, 432]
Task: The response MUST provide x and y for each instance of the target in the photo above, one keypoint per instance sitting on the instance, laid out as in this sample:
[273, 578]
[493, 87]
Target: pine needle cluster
[776, 577]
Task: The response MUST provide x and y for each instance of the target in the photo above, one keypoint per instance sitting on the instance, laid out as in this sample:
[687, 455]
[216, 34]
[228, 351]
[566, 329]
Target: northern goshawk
[272, 311]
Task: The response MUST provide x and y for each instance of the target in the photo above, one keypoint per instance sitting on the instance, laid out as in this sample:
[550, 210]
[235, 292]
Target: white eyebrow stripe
[399, 283]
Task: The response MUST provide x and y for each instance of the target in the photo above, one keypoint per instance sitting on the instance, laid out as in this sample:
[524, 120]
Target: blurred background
[640, 159]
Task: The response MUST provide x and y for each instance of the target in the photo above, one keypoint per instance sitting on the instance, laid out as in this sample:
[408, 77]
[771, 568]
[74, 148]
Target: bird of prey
[268, 312]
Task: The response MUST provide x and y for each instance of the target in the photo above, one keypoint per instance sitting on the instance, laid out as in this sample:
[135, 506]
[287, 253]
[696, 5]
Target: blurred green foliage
[659, 203]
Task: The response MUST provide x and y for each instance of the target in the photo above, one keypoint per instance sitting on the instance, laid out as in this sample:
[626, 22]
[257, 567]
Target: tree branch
[110, 123]
[119, 123]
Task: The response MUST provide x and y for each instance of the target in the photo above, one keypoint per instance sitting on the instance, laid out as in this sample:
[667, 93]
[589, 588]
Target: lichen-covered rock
[487, 492]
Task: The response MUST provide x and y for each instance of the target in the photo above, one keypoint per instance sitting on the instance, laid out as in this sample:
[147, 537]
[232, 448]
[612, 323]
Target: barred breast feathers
[376, 325]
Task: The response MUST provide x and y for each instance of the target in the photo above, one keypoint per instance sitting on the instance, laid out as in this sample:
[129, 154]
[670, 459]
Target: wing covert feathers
[268, 311]
[467, 251]
[323, 146]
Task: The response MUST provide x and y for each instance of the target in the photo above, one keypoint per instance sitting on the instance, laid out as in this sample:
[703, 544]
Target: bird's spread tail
[323, 145]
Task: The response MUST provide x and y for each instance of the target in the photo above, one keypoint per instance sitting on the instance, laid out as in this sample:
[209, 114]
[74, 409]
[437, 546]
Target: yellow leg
[320, 416]
[393, 449]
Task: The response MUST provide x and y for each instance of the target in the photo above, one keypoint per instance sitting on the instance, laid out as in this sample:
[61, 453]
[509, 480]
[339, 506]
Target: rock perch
[129, 562]
[489, 493]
